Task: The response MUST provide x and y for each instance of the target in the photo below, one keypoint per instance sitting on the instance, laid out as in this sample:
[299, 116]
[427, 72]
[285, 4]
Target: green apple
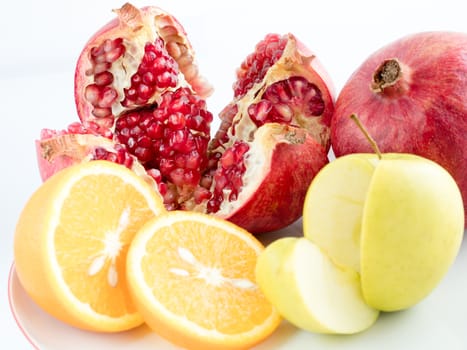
[310, 291]
[397, 219]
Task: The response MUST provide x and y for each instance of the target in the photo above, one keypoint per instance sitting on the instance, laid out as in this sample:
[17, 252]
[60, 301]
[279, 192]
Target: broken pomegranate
[141, 103]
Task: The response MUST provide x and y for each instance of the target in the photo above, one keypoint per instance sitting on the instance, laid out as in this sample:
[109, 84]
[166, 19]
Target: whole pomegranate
[411, 95]
[141, 103]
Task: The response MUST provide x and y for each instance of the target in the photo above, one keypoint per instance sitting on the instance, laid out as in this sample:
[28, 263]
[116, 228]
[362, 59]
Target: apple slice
[310, 291]
[396, 218]
[334, 205]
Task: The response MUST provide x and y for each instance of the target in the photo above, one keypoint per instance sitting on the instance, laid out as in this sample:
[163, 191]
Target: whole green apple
[397, 219]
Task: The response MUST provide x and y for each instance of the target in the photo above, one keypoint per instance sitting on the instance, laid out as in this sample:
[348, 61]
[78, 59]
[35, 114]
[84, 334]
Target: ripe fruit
[398, 220]
[131, 62]
[192, 278]
[411, 96]
[310, 291]
[281, 109]
[71, 241]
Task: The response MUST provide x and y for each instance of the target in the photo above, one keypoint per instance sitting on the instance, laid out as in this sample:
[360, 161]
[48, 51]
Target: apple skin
[398, 220]
[412, 229]
[310, 291]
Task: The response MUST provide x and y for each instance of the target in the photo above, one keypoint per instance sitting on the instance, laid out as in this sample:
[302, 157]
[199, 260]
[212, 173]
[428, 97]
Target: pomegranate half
[141, 103]
[411, 95]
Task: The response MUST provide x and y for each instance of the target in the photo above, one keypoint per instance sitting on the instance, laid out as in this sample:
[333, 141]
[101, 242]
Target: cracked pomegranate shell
[142, 103]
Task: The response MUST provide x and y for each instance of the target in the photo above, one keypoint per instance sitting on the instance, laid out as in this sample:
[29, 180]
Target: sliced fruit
[310, 291]
[192, 278]
[412, 230]
[71, 241]
[333, 209]
[397, 219]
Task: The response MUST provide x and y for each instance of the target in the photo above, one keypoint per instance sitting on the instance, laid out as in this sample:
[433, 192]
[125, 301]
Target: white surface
[41, 41]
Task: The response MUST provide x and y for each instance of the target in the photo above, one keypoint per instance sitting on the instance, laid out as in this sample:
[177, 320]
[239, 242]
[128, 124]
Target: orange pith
[193, 279]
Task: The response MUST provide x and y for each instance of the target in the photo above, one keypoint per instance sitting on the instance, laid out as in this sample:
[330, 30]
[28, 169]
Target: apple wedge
[396, 218]
[310, 291]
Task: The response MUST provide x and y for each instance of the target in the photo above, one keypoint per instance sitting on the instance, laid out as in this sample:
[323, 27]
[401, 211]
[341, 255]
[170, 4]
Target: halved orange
[192, 277]
[71, 242]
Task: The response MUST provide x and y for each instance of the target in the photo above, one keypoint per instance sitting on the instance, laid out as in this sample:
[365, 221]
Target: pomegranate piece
[131, 62]
[277, 171]
[411, 96]
[141, 103]
[283, 82]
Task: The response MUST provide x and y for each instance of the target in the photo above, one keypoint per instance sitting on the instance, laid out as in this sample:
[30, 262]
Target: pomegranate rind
[424, 113]
[57, 152]
[63, 150]
[137, 27]
[281, 164]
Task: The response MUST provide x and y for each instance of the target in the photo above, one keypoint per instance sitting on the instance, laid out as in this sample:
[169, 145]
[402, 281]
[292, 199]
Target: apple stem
[365, 132]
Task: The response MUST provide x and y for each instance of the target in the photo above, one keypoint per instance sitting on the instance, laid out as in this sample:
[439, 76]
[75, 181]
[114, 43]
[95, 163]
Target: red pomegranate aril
[107, 97]
[92, 93]
[148, 78]
[166, 80]
[283, 99]
[144, 93]
[176, 121]
[115, 54]
[254, 68]
[229, 175]
[104, 78]
[155, 130]
[102, 112]
[157, 68]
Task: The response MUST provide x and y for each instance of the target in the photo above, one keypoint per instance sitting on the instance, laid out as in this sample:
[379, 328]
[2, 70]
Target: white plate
[438, 322]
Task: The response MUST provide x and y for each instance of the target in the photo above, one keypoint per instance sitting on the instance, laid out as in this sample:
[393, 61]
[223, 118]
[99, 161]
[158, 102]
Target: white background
[41, 40]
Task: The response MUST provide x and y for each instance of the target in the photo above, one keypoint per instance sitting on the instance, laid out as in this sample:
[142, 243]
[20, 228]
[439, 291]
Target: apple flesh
[398, 220]
[310, 291]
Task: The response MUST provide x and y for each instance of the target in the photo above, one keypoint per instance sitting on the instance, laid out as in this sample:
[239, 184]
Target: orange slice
[192, 277]
[71, 242]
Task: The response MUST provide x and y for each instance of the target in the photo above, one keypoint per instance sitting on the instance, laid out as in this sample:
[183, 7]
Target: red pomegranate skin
[424, 111]
[295, 159]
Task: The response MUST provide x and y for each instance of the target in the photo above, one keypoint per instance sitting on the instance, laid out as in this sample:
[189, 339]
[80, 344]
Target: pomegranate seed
[144, 154]
[104, 78]
[201, 194]
[101, 112]
[108, 95]
[157, 70]
[163, 189]
[254, 68]
[144, 93]
[159, 64]
[176, 121]
[163, 139]
[229, 175]
[91, 94]
[166, 79]
[148, 78]
[284, 99]
[155, 174]
[114, 54]
[285, 111]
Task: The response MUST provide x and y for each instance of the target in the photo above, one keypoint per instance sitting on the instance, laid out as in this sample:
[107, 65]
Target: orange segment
[192, 278]
[71, 242]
